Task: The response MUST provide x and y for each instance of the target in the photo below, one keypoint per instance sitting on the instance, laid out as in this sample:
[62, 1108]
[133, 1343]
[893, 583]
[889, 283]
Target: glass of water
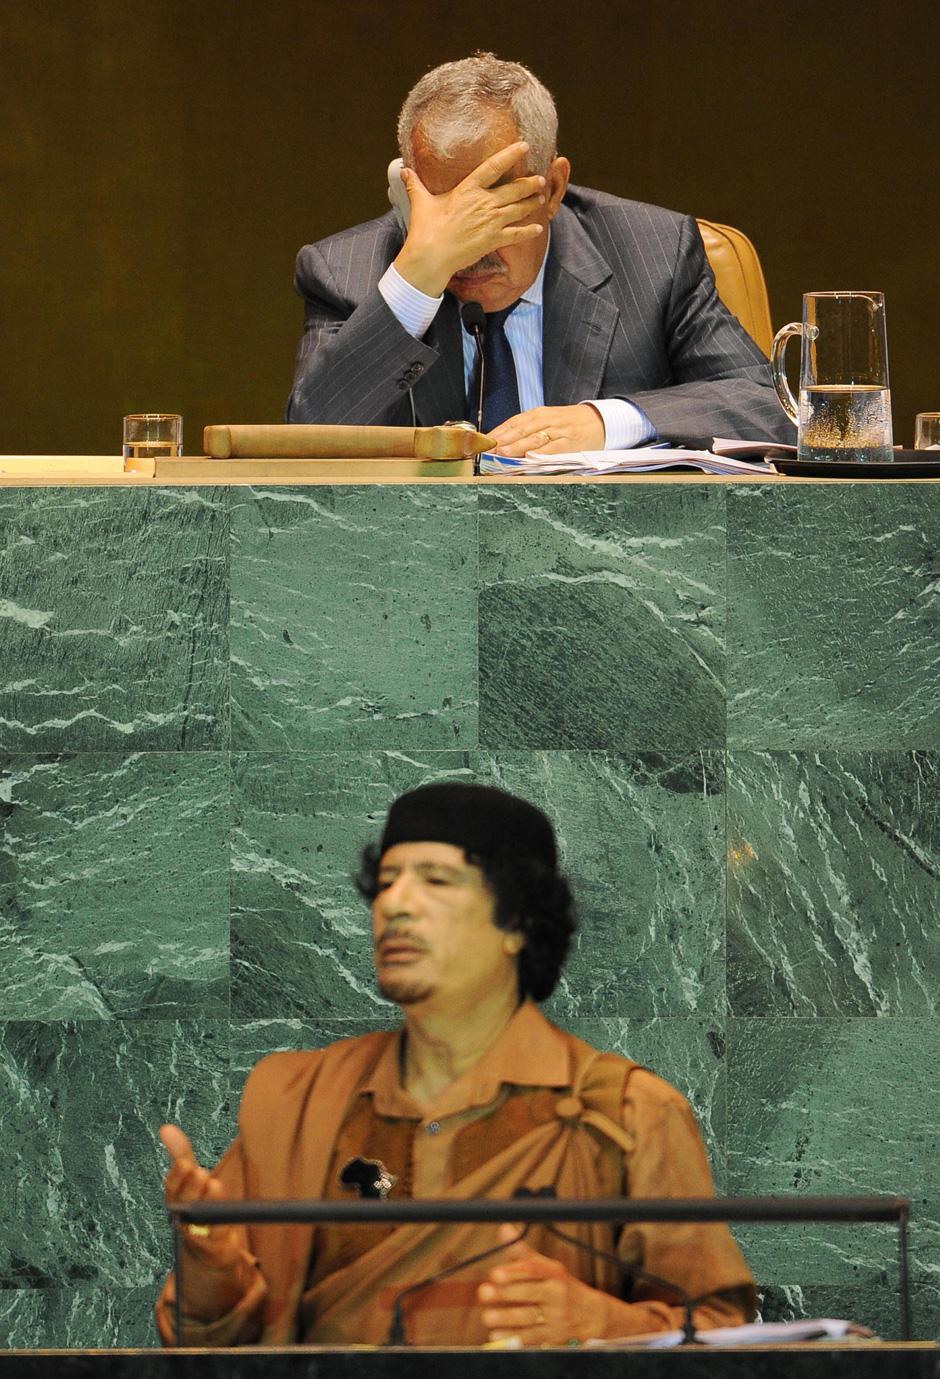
[927, 431]
[844, 411]
[153, 436]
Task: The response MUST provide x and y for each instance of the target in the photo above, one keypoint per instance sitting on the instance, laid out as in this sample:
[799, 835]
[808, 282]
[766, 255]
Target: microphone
[396, 1333]
[474, 320]
[625, 1270]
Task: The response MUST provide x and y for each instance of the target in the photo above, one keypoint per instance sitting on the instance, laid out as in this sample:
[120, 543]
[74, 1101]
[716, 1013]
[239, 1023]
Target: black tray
[910, 464]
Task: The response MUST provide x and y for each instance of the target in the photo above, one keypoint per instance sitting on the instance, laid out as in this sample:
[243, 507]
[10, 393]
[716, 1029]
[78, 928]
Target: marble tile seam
[823, 1021]
[731, 745]
[730, 1023]
[479, 735]
[858, 743]
[145, 1022]
[57, 754]
[655, 1019]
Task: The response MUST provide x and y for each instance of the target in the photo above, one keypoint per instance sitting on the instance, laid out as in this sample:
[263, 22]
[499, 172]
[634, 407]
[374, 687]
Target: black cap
[477, 818]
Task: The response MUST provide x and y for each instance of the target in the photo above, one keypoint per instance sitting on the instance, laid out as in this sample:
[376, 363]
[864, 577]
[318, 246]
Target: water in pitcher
[845, 422]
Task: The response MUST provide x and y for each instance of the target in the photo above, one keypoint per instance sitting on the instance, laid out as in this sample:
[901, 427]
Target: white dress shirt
[625, 425]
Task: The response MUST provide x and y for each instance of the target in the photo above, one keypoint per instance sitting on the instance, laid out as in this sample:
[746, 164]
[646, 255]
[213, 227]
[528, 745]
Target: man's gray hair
[453, 105]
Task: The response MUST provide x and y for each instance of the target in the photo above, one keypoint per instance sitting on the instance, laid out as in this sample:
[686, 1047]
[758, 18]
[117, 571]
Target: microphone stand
[396, 1332]
[474, 321]
[625, 1270]
[644, 1275]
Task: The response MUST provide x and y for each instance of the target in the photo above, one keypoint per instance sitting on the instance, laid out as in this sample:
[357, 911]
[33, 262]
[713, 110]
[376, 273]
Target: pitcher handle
[781, 382]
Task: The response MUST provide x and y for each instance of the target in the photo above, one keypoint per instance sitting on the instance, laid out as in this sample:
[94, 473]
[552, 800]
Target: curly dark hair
[532, 899]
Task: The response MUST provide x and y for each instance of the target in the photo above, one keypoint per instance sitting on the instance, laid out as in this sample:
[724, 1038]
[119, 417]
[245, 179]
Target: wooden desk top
[200, 470]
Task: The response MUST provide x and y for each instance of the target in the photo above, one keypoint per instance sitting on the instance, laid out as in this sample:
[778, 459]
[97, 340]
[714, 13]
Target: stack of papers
[757, 1333]
[725, 457]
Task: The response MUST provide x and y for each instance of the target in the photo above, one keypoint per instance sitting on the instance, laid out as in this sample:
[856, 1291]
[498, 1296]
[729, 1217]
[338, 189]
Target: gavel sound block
[342, 442]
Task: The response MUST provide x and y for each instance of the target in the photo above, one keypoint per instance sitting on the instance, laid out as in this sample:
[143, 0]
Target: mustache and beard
[401, 986]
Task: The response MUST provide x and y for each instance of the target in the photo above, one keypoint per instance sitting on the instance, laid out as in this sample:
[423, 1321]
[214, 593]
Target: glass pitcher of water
[844, 411]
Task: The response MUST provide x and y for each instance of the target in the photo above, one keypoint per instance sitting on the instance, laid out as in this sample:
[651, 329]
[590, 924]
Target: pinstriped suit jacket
[630, 310]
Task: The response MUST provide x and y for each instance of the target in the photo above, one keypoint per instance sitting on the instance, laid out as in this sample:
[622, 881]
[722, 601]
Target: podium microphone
[631, 1271]
[396, 1334]
[474, 320]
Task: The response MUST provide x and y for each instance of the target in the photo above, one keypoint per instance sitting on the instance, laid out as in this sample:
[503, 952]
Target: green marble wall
[726, 697]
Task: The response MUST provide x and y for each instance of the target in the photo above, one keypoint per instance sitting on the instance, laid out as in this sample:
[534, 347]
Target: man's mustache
[488, 264]
[392, 936]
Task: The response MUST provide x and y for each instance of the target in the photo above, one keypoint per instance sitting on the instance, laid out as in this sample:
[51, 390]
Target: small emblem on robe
[369, 1177]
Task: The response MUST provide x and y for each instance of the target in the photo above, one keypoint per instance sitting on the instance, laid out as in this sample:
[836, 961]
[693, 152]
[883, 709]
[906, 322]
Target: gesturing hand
[535, 1298]
[551, 431]
[187, 1181]
[452, 230]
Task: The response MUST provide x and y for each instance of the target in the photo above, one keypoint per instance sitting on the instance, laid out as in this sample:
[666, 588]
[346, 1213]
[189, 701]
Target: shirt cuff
[625, 424]
[414, 309]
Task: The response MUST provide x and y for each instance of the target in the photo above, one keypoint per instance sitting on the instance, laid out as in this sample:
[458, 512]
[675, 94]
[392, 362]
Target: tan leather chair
[739, 279]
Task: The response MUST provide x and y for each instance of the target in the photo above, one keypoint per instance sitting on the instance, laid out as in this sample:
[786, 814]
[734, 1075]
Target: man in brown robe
[476, 1095]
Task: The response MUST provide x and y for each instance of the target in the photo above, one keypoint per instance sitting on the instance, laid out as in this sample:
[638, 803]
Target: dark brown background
[162, 162]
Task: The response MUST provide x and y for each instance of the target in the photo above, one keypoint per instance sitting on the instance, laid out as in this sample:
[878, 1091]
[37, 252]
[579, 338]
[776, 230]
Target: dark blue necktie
[500, 385]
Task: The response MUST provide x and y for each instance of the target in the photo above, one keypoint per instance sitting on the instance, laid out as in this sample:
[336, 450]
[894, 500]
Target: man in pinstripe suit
[616, 332]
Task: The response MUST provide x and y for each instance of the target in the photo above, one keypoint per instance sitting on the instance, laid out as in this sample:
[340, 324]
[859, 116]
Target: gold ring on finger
[200, 1232]
[539, 1315]
[548, 439]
